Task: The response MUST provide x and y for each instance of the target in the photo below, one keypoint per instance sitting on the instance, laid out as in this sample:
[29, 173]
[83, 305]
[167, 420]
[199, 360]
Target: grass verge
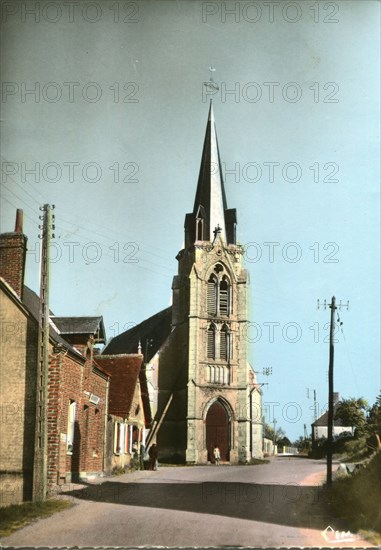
[356, 499]
[15, 516]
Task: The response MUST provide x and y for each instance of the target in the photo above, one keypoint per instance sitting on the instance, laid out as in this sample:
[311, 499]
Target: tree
[284, 442]
[373, 426]
[279, 434]
[351, 412]
[303, 443]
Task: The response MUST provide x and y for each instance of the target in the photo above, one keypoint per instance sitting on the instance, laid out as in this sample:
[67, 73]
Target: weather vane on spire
[210, 84]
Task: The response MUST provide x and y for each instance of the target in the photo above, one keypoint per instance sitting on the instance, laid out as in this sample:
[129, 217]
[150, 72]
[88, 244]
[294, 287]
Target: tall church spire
[210, 212]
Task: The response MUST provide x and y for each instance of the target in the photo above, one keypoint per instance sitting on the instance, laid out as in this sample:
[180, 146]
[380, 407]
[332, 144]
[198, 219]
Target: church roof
[154, 331]
[210, 203]
[210, 194]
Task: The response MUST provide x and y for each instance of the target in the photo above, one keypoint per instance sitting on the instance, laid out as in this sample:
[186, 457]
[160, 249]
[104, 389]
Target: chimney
[336, 397]
[13, 256]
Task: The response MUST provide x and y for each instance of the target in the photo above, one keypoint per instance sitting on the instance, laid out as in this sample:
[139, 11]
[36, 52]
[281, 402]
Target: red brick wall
[73, 380]
[92, 453]
[65, 376]
[12, 260]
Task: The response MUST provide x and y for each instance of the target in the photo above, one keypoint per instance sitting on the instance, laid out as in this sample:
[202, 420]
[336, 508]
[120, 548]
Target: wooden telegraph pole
[333, 307]
[40, 473]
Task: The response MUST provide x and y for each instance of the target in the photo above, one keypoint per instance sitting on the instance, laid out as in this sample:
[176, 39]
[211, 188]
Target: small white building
[320, 426]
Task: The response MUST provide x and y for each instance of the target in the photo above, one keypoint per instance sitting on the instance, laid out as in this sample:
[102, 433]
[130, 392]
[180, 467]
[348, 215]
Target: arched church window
[199, 229]
[224, 297]
[212, 295]
[211, 345]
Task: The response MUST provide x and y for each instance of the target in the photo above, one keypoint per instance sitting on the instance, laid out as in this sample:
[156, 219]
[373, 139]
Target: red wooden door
[217, 431]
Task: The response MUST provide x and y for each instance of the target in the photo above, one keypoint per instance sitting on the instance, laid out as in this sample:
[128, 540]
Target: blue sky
[115, 131]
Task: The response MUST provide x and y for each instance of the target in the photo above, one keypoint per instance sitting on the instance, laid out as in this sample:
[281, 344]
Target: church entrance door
[217, 431]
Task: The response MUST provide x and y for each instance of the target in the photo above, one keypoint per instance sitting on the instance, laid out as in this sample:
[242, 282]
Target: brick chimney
[13, 255]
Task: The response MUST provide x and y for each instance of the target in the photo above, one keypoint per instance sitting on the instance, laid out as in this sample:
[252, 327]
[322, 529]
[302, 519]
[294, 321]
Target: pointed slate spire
[210, 206]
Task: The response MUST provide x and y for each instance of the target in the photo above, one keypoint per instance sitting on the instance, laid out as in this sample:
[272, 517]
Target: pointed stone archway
[218, 430]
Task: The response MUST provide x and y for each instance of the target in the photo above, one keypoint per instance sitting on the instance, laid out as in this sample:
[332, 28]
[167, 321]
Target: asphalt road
[276, 504]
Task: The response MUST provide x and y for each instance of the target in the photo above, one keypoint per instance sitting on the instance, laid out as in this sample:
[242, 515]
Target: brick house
[78, 402]
[77, 386]
[129, 408]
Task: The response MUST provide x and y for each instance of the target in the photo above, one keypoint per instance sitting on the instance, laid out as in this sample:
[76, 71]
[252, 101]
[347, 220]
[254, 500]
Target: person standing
[217, 454]
[153, 457]
[141, 456]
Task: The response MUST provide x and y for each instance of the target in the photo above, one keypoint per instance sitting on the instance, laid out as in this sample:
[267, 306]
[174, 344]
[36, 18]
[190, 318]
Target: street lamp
[274, 436]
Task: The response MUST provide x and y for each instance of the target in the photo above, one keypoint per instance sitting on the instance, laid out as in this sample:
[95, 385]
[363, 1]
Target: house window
[212, 296]
[71, 426]
[120, 437]
[211, 345]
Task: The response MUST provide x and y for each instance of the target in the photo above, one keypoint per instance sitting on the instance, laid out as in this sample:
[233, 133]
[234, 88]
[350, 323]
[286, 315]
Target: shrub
[357, 498]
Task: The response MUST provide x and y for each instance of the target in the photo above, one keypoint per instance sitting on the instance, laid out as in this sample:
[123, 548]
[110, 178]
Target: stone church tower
[205, 383]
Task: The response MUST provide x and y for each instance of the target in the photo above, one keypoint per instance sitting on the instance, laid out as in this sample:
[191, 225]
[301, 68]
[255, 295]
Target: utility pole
[274, 435]
[333, 307]
[40, 472]
[315, 403]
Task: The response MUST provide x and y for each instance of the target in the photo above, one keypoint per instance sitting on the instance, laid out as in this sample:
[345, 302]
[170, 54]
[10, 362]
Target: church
[203, 392]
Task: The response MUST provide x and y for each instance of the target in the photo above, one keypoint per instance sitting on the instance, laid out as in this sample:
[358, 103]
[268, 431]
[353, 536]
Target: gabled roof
[124, 370]
[323, 419]
[81, 325]
[154, 330]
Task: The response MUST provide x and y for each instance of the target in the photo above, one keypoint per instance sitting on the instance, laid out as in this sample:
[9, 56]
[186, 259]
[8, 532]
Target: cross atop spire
[210, 207]
[211, 85]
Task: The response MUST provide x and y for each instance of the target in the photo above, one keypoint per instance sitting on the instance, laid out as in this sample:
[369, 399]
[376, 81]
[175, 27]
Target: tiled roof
[124, 370]
[155, 330]
[80, 325]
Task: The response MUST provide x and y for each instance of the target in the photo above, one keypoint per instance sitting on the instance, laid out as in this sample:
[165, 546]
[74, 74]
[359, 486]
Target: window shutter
[224, 298]
[117, 448]
[211, 343]
[223, 345]
[212, 297]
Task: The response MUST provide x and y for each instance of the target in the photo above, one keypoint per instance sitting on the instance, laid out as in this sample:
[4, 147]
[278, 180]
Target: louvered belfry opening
[224, 297]
[212, 296]
[211, 342]
[224, 343]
